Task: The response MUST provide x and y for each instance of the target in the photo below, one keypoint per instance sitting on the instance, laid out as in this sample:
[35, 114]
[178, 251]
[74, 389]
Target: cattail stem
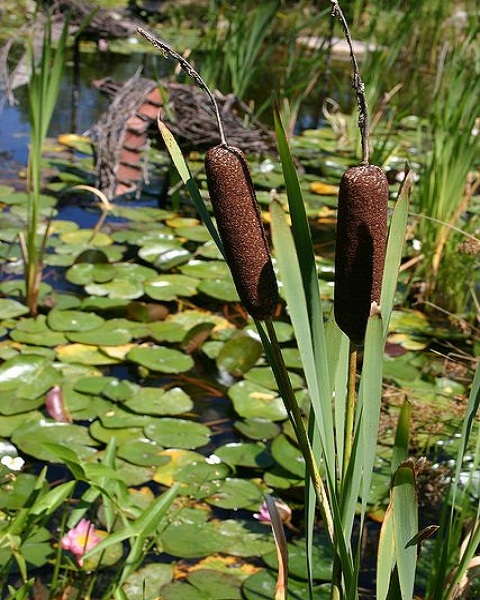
[349, 409]
[358, 86]
[296, 419]
[169, 52]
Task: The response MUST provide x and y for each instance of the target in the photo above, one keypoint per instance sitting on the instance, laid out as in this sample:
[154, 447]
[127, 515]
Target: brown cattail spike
[240, 227]
[360, 247]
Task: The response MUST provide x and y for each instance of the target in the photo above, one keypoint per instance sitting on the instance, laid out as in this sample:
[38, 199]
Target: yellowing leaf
[323, 189]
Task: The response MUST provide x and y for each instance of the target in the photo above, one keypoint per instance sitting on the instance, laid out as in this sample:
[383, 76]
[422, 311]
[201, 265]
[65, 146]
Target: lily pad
[245, 455]
[142, 452]
[33, 439]
[254, 401]
[239, 354]
[288, 456]
[177, 433]
[160, 359]
[84, 354]
[145, 583]
[220, 289]
[9, 309]
[170, 287]
[155, 401]
[177, 460]
[73, 320]
[28, 376]
[202, 584]
[257, 429]
[261, 586]
[233, 493]
[211, 269]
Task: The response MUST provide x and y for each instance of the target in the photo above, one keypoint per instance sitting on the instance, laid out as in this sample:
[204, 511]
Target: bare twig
[169, 52]
[358, 86]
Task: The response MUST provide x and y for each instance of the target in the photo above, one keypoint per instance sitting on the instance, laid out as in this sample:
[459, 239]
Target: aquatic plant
[43, 90]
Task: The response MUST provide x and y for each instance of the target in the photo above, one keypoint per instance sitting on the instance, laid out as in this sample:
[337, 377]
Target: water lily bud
[55, 406]
[240, 227]
[360, 247]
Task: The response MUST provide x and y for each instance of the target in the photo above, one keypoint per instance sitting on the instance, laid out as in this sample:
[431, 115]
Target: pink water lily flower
[80, 539]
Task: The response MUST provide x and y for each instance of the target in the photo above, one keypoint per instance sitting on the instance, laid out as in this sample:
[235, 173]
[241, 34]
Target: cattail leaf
[386, 555]
[370, 395]
[396, 239]
[184, 172]
[405, 525]
[402, 436]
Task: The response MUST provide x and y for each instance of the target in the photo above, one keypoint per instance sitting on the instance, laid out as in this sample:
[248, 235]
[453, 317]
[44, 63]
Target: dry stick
[169, 52]
[358, 86]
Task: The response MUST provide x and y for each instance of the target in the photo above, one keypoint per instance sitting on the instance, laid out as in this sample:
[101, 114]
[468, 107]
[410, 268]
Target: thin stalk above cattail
[361, 225]
[236, 210]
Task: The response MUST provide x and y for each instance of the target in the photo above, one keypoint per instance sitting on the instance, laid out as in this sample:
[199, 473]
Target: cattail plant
[361, 227]
[236, 211]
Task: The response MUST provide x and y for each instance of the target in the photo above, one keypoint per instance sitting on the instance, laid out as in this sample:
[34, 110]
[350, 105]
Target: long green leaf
[184, 172]
[405, 525]
[393, 257]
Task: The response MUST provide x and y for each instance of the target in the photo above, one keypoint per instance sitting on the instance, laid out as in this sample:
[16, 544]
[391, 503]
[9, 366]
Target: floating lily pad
[177, 433]
[244, 454]
[177, 459]
[104, 336]
[211, 269]
[142, 452]
[73, 320]
[117, 418]
[220, 289]
[88, 237]
[239, 354]
[27, 376]
[263, 376]
[170, 287]
[156, 401]
[288, 456]
[122, 435]
[145, 583]
[202, 584]
[9, 309]
[33, 439]
[257, 429]
[84, 354]
[254, 401]
[161, 359]
[261, 586]
[235, 493]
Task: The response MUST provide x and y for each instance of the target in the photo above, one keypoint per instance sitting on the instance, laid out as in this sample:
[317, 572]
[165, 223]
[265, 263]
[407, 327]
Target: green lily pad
[245, 455]
[165, 254]
[104, 335]
[73, 320]
[191, 539]
[211, 269]
[202, 584]
[33, 438]
[117, 418]
[119, 288]
[263, 376]
[200, 478]
[123, 435]
[177, 460]
[9, 309]
[239, 354]
[257, 429]
[155, 401]
[322, 560]
[195, 233]
[169, 287]
[235, 493]
[160, 359]
[288, 456]
[244, 538]
[220, 289]
[10, 423]
[177, 433]
[28, 376]
[20, 489]
[254, 401]
[261, 586]
[83, 273]
[142, 452]
[145, 583]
